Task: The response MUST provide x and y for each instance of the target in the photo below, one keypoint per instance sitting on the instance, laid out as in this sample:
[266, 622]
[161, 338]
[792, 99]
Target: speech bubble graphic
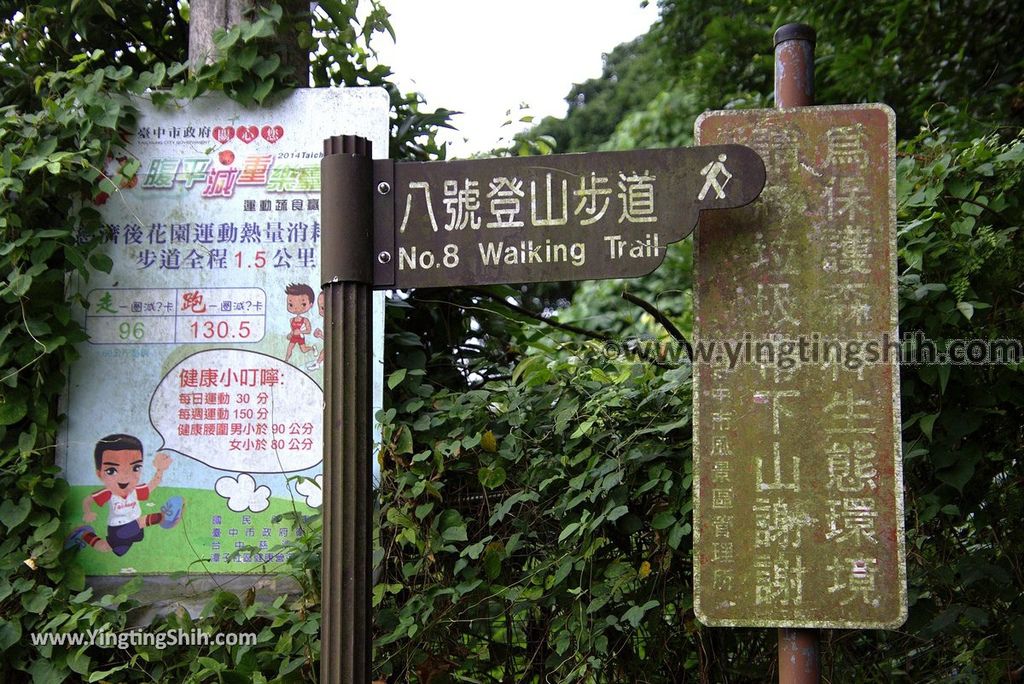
[243, 494]
[240, 411]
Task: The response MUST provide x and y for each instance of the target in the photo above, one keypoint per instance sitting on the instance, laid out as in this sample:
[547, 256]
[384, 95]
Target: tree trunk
[206, 16]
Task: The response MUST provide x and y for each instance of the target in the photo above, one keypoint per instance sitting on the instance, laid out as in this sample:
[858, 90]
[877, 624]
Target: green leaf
[946, 618]
[455, 533]
[246, 57]
[12, 409]
[267, 66]
[403, 444]
[492, 476]
[10, 633]
[675, 537]
[74, 577]
[211, 664]
[966, 308]
[13, 514]
[396, 378]
[474, 550]
[635, 614]
[663, 520]
[959, 474]
[110, 13]
[74, 256]
[36, 601]
[617, 513]
[568, 531]
[101, 262]
[262, 90]
[493, 556]
[564, 568]
[51, 345]
[396, 517]
[528, 366]
[20, 284]
[452, 526]
[1016, 631]
[928, 423]
[224, 40]
[50, 233]
[944, 371]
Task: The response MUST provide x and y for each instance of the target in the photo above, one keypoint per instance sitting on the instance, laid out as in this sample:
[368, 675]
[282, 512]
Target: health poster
[194, 414]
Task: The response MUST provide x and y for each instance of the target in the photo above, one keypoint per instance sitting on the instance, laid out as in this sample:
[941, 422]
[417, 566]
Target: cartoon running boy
[319, 334]
[119, 466]
[300, 301]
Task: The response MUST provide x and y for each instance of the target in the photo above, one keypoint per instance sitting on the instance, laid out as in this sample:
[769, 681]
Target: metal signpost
[798, 501]
[399, 225]
[798, 496]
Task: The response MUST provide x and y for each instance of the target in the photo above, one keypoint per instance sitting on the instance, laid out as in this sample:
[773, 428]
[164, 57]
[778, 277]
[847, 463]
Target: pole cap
[795, 32]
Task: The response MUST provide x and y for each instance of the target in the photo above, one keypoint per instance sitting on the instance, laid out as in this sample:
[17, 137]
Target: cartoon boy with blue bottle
[119, 466]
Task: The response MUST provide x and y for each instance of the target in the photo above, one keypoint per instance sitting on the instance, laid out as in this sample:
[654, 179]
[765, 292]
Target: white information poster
[194, 415]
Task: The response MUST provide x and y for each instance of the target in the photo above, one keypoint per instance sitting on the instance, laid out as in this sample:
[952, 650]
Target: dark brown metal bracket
[346, 211]
[357, 215]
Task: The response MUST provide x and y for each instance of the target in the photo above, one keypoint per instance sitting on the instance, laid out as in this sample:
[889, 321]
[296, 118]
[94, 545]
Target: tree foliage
[579, 462]
[628, 80]
[955, 62]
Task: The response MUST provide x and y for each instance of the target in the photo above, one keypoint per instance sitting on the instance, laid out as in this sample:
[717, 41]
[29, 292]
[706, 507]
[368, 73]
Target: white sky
[485, 57]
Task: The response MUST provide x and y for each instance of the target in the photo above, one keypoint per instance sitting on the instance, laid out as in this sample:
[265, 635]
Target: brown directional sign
[551, 218]
[798, 500]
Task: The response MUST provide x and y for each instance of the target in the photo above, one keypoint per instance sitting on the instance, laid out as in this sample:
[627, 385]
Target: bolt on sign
[551, 218]
[798, 495]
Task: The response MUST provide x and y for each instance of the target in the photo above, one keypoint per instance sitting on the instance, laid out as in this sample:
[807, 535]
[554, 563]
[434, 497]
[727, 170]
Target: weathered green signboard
[551, 218]
[798, 505]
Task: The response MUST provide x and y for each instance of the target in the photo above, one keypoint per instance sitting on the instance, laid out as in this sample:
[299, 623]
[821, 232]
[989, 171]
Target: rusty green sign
[550, 218]
[798, 500]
